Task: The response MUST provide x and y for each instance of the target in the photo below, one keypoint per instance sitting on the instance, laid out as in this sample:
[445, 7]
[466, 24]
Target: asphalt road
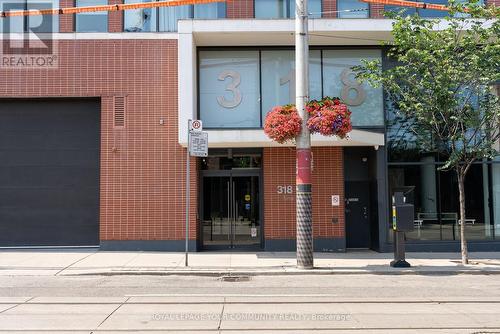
[261, 304]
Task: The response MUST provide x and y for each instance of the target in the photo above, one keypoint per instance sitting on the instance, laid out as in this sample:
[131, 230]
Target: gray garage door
[49, 172]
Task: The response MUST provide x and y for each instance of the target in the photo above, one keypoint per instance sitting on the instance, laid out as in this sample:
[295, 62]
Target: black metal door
[357, 199]
[49, 172]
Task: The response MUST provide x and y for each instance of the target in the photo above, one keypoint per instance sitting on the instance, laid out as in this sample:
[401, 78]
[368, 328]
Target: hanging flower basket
[329, 117]
[283, 123]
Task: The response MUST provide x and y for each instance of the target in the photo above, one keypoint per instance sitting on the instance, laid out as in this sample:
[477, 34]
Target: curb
[229, 273]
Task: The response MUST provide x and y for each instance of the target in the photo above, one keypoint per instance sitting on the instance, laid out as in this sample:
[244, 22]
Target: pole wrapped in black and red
[303, 180]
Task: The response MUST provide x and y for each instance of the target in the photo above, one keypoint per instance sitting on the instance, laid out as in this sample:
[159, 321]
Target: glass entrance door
[231, 211]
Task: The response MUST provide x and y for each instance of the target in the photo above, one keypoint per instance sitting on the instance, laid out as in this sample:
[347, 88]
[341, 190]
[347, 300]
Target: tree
[441, 86]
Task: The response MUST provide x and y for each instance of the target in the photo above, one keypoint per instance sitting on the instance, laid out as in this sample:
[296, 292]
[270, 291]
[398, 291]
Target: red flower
[330, 117]
[283, 124]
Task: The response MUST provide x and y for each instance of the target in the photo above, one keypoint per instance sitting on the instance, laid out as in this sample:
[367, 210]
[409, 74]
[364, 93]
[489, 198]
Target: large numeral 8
[348, 85]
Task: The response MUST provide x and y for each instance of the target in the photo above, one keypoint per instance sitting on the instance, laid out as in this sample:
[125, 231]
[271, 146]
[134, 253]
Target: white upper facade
[255, 34]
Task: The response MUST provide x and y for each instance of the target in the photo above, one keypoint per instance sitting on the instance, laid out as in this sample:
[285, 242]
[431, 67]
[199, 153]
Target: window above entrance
[238, 87]
[226, 163]
[237, 158]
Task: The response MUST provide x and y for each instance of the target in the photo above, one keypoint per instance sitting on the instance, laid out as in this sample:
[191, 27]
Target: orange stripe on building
[403, 3]
[105, 8]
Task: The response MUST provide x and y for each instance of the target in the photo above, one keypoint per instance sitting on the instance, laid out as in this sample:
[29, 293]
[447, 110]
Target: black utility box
[404, 217]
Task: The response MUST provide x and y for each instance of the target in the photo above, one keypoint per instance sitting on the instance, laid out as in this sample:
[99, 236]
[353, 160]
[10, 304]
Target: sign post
[197, 147]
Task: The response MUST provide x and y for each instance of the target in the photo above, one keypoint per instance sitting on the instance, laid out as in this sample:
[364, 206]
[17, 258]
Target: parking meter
[402, 221]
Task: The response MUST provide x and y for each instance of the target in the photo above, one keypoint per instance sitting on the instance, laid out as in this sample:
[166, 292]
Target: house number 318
[284, 190]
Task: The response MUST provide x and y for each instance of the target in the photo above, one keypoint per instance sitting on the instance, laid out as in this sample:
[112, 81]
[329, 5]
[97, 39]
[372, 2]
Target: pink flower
[331, 118]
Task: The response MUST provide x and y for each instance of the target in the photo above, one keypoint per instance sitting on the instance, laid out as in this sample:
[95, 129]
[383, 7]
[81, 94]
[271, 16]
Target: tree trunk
[463, 241]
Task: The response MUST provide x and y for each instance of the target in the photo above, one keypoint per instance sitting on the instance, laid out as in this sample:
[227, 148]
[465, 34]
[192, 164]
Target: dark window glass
[35, 23]
[403, 10]
[140, 20]
[168, 16]
[429, 13]
[93, 21]
[402, 143]
[216, 10]
[278, 9]
[271, 9]
[235, 162]
[433, 12]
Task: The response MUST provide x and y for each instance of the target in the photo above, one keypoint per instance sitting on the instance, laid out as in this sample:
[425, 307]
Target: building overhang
[281, 32]
[257, 138]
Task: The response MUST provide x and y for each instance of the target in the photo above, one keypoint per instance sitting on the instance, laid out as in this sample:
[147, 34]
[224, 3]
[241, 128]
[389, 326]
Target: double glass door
[231, 211]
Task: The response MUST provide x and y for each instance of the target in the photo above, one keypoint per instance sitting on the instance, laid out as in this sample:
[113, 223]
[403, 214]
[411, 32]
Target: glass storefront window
[94, 21]
[139, 20]
[363, 100]
[229, 89]
[418, 183]
[495, 197]
[361, 9]
[434, 194]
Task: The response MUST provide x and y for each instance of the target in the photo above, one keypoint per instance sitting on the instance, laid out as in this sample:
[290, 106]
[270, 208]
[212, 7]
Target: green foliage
[442, 78]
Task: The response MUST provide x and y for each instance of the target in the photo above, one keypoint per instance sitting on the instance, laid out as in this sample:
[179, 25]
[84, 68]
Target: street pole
[303, 179]
[187, 192]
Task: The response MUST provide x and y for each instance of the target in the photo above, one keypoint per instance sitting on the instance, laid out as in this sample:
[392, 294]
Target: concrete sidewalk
[95, 262]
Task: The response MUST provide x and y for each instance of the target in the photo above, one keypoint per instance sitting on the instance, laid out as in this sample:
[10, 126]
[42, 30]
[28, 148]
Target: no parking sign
[196, 125]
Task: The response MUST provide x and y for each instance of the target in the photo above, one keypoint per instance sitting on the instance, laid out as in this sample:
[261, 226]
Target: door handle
[228, 210]
[233, 201]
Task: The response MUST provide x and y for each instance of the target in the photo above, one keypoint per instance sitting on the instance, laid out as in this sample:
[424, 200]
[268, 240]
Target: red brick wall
[328, 8]
[66, 21]
[240, 9]
[376, 10]
[328, 180]
[115, 19]
[143, 182]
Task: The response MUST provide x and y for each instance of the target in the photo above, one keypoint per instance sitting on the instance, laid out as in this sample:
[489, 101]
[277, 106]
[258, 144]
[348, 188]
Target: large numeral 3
[231, 87]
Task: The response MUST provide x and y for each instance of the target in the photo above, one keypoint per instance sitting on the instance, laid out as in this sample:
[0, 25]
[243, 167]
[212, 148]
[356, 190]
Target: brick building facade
[147, 85]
